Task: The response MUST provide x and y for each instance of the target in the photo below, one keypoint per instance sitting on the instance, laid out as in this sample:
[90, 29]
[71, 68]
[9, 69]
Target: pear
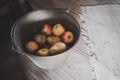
[57, 48]
[53, 39]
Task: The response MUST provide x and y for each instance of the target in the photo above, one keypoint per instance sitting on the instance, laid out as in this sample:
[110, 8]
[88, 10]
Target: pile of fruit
[50, 40]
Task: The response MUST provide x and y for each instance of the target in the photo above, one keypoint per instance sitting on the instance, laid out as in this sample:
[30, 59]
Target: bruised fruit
[53, 39]
[40, 39]
[31, 46]
[58, 29]
[57, 48]
[43, 52]
[67, 37]
[47, 29]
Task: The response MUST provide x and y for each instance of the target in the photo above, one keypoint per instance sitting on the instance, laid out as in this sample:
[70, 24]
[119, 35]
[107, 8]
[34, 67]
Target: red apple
[31, 46]
[47, 29]
[67, 37]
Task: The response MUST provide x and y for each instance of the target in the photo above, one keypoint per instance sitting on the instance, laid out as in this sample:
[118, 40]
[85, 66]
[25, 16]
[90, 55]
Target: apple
[58, 29]
[31, 46]
[67, 37]
[43, 52]
[40, 39]
[47, 29]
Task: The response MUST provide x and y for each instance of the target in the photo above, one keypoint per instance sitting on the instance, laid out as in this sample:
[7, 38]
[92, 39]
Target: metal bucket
[23, 30]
